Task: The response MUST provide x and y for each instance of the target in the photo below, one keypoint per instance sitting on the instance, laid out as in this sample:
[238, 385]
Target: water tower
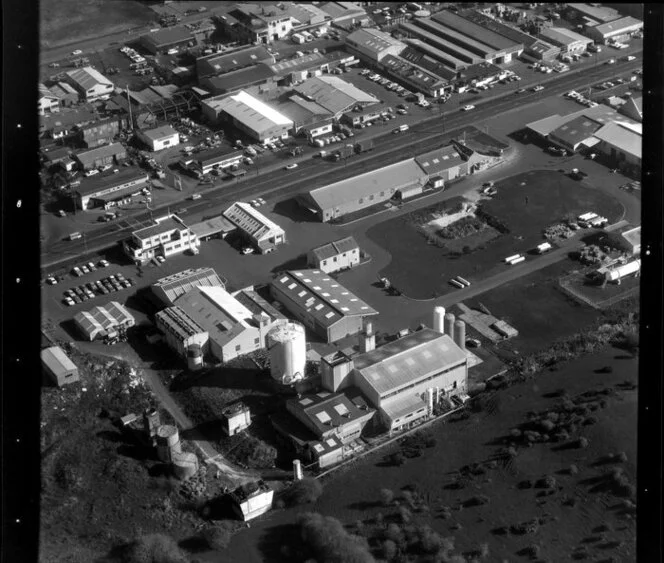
[288, 352]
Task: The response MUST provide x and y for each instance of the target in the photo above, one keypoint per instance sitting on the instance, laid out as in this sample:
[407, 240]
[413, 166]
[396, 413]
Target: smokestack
[460, 334]
[367, 339]
[449, 325]
[439, 319]
[297, 470]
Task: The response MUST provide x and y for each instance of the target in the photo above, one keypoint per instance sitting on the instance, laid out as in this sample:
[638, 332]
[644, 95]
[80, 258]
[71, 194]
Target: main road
[428, 134]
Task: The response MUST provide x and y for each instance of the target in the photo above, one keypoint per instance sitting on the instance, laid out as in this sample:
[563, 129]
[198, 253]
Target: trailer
[510, 258]
[544, 247]
[517, 260]
[463, 281]
[457, 284]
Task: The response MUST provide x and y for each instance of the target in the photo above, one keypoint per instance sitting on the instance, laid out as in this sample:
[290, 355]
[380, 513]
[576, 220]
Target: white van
[75, 236]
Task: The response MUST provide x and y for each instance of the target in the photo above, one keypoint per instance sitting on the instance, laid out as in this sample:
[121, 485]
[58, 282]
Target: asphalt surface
[311, 172]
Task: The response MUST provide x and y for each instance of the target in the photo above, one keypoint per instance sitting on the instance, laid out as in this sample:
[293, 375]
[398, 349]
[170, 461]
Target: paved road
[311, 173]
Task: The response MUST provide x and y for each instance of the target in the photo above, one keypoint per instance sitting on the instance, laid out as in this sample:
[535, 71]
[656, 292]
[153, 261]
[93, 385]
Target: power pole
[131, 120]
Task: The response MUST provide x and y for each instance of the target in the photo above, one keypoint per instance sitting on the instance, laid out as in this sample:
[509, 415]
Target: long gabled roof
[179, 322]
[180, 283]
[87, 78]
[57, 361]
[436, 161]
[251, 221]
[321, 296]
[88, 157]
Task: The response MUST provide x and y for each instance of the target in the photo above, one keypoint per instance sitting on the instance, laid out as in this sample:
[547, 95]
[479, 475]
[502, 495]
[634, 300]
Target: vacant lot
[526, 204]
[67, 21]
[570, 514]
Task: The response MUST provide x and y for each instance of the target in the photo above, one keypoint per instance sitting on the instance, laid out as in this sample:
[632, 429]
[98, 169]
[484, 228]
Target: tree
[390, 550]
[218, 537]
[307, 490]
[387, 496]
[154, 548]
[327, 541]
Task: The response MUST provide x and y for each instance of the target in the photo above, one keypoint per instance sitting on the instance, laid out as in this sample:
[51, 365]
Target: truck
[364, 146]
[401, 129]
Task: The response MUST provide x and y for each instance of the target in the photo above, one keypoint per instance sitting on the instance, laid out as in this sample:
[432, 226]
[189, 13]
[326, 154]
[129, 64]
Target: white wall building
[334, 256]
[165, 237]
[104, 321]
[180, 330]
[373, 44]
[264, 234]
[47, 101]
[160, 138]
[90, 84]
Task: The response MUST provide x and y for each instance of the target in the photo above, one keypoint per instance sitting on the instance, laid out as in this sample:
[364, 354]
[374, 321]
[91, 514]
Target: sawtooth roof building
[170, 288]
[321, 303]
[181, 331]
[263, 233]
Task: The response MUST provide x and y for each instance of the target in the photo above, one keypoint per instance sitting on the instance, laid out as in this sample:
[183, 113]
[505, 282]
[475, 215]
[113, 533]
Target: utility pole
[131, 120]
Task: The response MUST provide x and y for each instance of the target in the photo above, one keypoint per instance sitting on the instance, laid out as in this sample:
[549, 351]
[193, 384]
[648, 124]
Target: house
[165, 236]
[90, 84]
[234, 329]
[218, 158]
[334, 256]
[260, 231]
[250, 115]
[259, 75]
[107, 154]
[235, 418]
[160, 138]
[47, 101]
[251, 500]
[181, 332]
[104, 190]
[58, 366]
[322, 304]
[106, 321]
[164, 40]
[373, 45]
[168, 289]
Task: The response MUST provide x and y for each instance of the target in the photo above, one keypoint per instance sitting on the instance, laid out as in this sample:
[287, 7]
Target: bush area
[325, 540]
[492, 221]
[305, 491]
[252, 452]
[464, 227]
[154, 548]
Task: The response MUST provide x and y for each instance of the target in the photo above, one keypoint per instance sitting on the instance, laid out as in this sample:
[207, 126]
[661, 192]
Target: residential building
[163, 237]
[106, 321]
[47, 101]
[251, 500]
[322, 304]
[168, 289]
[104, 190]
[99, 132]
[248, 114]
[617, 30]
[260, 231]
[218, 158]
[334, 256]
[90, 84]
[359, 192]
[300, 67]
[254, 23]
[570, 42]
[158, 42]
[235, 418]
[333, 94]
[160, 138]
[373, 45]
[234, 330]
[181, 332]
[228, 61]
[58, 366]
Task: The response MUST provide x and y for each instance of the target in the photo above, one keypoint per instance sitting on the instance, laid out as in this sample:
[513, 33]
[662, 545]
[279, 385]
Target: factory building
[160, 138]
[90, 84]
[264, 234]
[633, 108]
[334, 256]
[335, 95]
[622, 143]
[373, 45]
[323, 305]
[575, 133]
[234, 330]
[260, 75]
[257, 24]
[101, 156]
[365, 190]
[164, 237]
[58, 366]
[164, 40]
[229, 61]
[303, 66]
[181, 332]
[169, 288]
[444, 165]
[106, 321]
[618, 30]
[218, 158]
[235, 418]
[541, 51]
[569, 42]
[248, 114]
[632, 239]
[104, 191]
[415, 77]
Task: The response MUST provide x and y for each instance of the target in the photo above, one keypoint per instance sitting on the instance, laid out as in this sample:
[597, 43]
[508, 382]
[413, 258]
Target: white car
[103, 264]
[77, 52]
[51, 280]
[538, 88]
[468, 107]
[290, 166]
[261, 201]
[161, 259]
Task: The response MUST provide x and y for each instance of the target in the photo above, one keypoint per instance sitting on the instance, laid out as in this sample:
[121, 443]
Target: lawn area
[422, 270]
[459, 469]
[67, 21]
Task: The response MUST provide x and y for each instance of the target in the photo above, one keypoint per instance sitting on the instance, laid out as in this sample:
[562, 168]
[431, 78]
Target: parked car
[103, 264]
[51, 280]
[291, 166]
[468, 107]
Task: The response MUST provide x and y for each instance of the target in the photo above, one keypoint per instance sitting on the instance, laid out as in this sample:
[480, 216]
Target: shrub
[621, 457]
[397, 459]
[326, 540]
[582, 443]
[589, 421]
[154, 548]
[547, 425]
[387, 496]
[478, 500]
[405, 515]
[573, 469]
[307, 490]
[389, 550]
[218, 537]
[546, 482]
[394, 533]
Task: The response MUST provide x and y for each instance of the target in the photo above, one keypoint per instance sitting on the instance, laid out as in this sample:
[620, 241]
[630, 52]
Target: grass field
[67, 21]
[570, 515]
[422, 271]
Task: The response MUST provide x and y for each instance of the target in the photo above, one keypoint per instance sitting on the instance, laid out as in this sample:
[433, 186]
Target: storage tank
[449, 324]
[439, 319]
[185, 465]
[288, 352]
[297, 470]
[460, 334]
[168, 442]
[194, 357]
[430, 399]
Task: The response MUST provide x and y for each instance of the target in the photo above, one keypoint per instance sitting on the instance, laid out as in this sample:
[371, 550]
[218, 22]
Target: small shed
[235, 418]
[58, 366]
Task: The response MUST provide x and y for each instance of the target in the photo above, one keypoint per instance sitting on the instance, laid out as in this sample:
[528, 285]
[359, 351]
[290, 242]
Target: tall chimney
[367, 339]
[460, 334]
[449, 324]
[297, 470]
[439, 319]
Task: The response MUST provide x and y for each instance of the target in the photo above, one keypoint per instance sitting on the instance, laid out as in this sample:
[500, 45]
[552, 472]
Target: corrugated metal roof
[220, 154]
[474, 30]
[397, 175]
[622, 138]
[180, 283]
[374, 40]
[179, 322]
[436, 161]
[334, 94]
[563, 36]
[212, 227]
[165, 37]
[251, 221]
[576, 130]
[220, 63]
[621, 24]
[256, 304]
[57, 361]
[401, 405]
[91, 186]
[408, 359]
[251, 112]
[87, 78]
[321, 296]
[101, 319]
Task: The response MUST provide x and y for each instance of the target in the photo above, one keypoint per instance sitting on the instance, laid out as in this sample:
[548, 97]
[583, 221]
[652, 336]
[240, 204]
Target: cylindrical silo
[288, 352]
[439, 319]
[460, 334]
[430, 399]
[194, 357]
[168, 442]
[297, 470]
[185, 465]
[449, 325]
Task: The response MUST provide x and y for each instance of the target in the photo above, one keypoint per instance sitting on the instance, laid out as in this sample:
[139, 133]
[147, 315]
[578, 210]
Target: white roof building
[374, 44]
[104, 321]
[169, 288]
[58, 366]
[263, 233]
[91, 84]
[160, 137]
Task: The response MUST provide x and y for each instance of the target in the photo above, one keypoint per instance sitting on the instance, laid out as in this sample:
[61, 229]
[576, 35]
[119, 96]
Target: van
[75, 236]
[401, 129]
